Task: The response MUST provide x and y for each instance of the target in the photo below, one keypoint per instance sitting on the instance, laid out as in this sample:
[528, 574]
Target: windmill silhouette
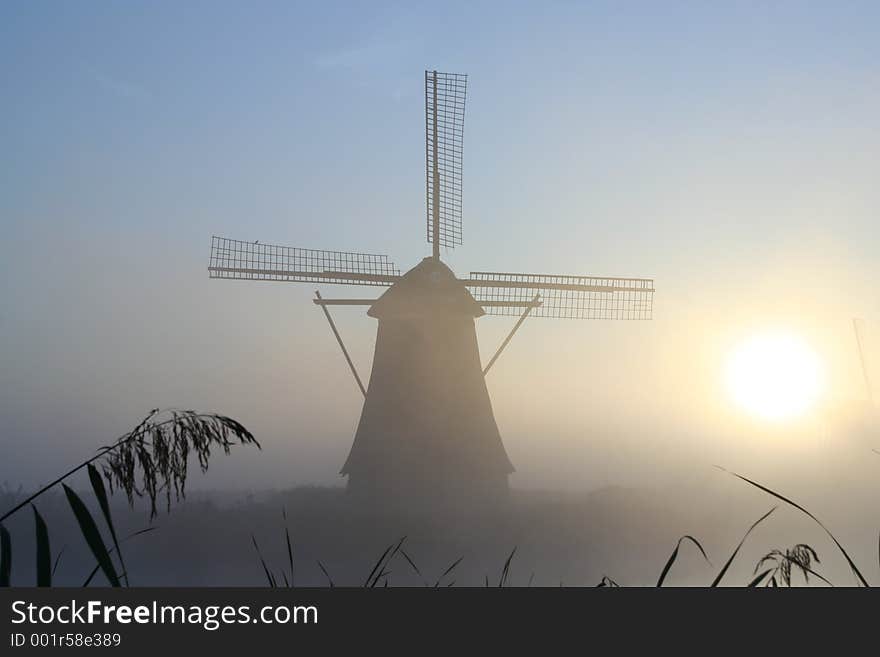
[427, 430]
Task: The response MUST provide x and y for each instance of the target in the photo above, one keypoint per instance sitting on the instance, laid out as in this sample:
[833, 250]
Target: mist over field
[728, 153]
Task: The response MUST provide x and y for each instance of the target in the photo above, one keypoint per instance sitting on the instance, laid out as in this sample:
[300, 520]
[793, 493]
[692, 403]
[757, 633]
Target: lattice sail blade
[564, 297]
[444, 134]
[266, 262]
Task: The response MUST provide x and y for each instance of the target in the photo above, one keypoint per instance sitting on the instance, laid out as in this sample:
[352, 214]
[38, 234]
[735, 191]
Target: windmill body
[427, 432]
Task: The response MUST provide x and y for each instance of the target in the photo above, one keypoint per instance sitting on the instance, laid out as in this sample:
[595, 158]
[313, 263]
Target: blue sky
[729, 150]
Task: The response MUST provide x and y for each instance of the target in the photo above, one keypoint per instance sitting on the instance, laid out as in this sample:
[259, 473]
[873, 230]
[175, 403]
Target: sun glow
[774, 376]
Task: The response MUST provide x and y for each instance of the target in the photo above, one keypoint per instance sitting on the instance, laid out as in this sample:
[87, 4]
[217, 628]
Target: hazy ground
[568, 538]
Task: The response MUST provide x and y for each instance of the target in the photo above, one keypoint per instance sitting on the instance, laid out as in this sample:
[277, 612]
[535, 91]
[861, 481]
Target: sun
[774, 376]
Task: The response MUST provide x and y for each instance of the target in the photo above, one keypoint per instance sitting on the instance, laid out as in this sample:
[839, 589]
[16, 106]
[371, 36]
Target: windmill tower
[427, 431]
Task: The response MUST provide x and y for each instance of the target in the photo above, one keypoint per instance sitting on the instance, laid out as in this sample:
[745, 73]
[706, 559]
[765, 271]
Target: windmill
[427, 429]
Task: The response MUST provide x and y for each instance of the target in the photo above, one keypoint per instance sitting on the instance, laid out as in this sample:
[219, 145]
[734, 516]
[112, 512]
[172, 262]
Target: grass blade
[506, 570]
[377, 567]
[674, 556]
[385, 572]
[757, 522]
[93, 537]
[447, 571]
[760, 578]
[104, 503]
[98, 566]
[58, 560]
[5, 556]
[797, 506]
[378, 564]
[326, 574]
[290, 556]
[386, 557]
[269, 576]
[289, 552]
[414, 566]
[411, 562]
[44, 552]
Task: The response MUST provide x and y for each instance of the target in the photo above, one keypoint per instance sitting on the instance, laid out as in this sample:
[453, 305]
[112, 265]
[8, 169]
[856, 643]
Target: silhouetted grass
[151, 458]
[674, 556]
[326, 574]
[797, 506]
[5, 555]
[800, 557]
[97, 567]
[447, 572]
[774, 569]
[723, 571]
[270, 578]
[151, 462]
[505, 571]
[44, 553]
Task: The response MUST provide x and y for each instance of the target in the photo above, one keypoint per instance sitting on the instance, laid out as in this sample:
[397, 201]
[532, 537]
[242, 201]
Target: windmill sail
[267, 262]
[444, 134]
[563, 297]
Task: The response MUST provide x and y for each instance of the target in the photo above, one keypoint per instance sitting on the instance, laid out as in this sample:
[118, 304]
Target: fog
[718, 151]
[579, 404]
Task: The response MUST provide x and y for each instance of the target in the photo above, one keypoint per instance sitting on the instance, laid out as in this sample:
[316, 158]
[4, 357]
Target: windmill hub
[427, 290]
[427, 432]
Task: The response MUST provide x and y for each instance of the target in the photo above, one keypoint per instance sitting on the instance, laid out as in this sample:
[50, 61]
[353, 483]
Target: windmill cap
[427, 289]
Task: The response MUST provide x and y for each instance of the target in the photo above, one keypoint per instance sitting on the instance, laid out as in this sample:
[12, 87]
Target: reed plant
[151, 461]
